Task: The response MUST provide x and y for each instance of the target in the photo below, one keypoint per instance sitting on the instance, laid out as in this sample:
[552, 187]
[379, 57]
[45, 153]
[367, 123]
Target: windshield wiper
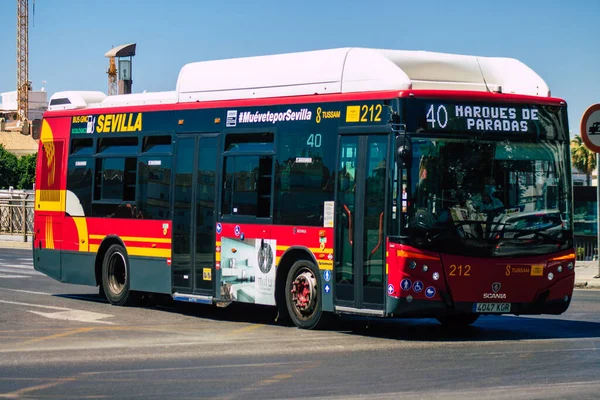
[519, 233]
[468, 235]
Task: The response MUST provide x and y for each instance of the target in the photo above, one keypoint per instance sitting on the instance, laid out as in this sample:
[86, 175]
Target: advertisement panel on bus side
[198, 120]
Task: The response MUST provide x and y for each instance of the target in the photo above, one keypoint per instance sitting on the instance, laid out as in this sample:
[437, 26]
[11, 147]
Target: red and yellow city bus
[360, 181]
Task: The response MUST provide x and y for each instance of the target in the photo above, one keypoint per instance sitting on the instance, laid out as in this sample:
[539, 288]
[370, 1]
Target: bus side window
[154, 186]
[115, 179]
[80, 177]
[304, 181]
[247, 186]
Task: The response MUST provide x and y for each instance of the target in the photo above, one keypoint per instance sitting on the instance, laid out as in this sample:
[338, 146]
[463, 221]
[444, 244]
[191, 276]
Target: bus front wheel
[116, 278]
[303, 296]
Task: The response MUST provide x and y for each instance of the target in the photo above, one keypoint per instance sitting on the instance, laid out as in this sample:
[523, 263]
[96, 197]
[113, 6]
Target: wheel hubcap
[117, 273]
[304, 292]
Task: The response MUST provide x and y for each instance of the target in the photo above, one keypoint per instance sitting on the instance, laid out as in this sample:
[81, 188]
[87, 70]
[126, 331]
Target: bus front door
[196, 171]
[359, 268]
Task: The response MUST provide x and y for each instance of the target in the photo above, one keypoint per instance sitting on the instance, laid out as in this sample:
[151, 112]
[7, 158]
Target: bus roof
[333, 71]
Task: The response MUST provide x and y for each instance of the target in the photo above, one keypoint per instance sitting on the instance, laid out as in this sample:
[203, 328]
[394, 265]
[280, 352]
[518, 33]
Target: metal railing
[586, 248]
[16, 213]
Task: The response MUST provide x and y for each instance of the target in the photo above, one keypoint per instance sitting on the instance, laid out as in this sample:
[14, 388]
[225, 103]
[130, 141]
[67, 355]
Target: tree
[8, 168]
[26, 171]
[16, 172]
[583, 158]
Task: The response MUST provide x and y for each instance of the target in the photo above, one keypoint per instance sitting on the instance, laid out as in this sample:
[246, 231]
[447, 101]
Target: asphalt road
[64, 341]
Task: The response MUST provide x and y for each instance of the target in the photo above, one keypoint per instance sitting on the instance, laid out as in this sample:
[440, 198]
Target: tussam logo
[248, 117]
[495, 288]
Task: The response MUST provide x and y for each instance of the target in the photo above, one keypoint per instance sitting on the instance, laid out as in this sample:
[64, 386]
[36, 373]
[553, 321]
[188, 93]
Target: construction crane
[23, 83]
[112, 76]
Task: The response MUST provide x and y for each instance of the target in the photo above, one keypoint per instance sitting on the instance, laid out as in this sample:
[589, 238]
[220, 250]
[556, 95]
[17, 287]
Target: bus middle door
[196, 174]
[359, 236]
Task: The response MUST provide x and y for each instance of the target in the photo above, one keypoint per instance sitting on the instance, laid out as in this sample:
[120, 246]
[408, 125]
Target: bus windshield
[489, 198]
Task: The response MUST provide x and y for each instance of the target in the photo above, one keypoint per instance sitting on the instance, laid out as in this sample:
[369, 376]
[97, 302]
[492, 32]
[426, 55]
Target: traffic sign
[406, 284]
[418, 286]
[590, 128]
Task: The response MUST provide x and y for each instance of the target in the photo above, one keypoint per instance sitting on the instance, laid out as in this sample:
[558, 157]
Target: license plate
[491, 307]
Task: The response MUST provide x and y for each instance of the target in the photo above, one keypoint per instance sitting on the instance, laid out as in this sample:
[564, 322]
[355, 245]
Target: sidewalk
[585, 275]
[15, 242]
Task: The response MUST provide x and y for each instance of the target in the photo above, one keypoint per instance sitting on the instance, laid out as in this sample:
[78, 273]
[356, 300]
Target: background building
[10, 137]
[38, 103]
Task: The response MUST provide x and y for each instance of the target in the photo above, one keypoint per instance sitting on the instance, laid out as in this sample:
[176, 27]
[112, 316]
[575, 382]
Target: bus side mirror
[403, 150]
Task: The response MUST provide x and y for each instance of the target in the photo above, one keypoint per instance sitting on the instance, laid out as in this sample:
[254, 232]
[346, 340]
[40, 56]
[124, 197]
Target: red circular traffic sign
[590, 128]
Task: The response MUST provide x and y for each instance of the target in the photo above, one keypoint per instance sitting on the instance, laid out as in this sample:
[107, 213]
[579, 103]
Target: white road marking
[20, 266]
[76, 315]
[14, 276]
[26, 291]
[65, 314]
[34, 305]
[27, 272]
[236, 366]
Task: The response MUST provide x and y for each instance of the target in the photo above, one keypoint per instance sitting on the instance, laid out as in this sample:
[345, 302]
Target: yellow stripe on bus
[82, 233]
[318, 250]
[49, 234]
[144, 251]
[325, 264]
[135, 239]
[139, 251]
[50, 200]
[313, 249]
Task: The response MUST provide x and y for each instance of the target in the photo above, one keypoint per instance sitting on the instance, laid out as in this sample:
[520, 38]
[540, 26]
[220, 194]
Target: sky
[560, 40]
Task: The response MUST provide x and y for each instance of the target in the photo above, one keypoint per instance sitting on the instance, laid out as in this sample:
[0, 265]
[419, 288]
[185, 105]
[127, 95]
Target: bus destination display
[426, 115]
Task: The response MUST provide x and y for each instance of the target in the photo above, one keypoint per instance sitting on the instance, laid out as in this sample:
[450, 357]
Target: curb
[592, 284]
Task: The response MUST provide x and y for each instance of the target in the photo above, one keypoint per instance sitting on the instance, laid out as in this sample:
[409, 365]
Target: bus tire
[458, 320]
[101, 292]
[116, 278]
[303, 296]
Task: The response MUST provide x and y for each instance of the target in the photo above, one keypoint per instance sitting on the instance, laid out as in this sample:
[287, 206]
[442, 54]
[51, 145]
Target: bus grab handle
[380, 235]
[349, 224]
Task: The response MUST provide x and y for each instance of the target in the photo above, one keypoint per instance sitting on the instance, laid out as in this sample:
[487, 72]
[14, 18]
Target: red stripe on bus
[237, 103]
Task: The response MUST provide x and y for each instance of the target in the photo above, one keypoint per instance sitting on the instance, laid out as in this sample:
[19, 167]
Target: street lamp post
[598, 212]
[590, 123]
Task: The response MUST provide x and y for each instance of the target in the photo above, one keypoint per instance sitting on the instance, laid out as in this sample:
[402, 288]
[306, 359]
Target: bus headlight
[436, 276]
[425, 268]
[559, 269]
[550, 276]
[412, 265]
[570, 265]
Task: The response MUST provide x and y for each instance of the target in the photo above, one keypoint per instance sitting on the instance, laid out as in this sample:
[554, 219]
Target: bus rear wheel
[458, 320]
[116, 278]
[303, 296]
